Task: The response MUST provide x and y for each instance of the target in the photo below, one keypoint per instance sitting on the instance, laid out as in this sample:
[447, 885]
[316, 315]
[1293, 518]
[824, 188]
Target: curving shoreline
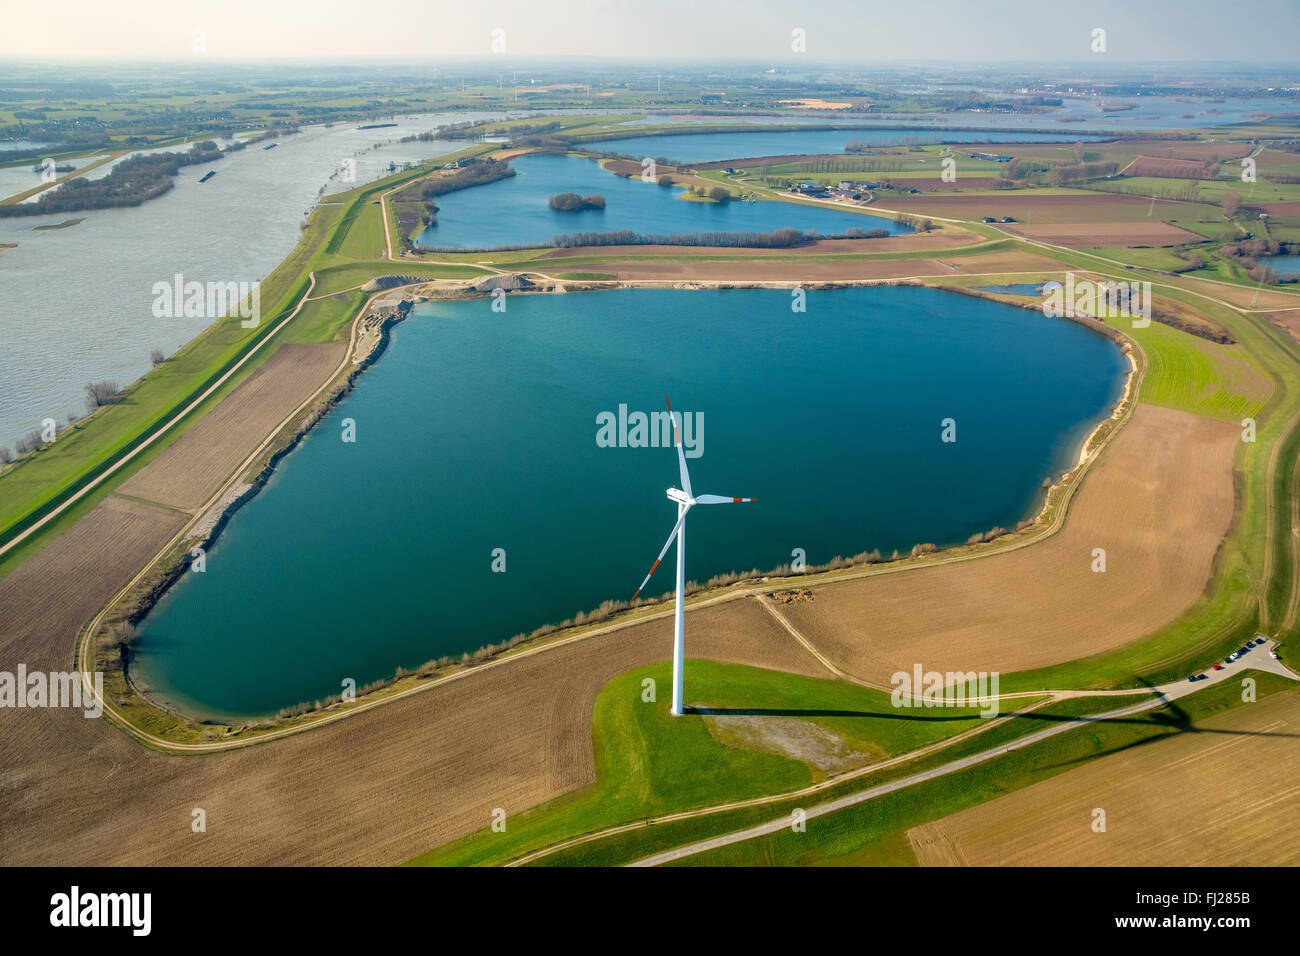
[392, 304]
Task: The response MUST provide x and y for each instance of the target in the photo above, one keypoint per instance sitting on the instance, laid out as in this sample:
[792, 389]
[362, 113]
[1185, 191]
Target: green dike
[649, 763]
[42, 481]
[872, 833]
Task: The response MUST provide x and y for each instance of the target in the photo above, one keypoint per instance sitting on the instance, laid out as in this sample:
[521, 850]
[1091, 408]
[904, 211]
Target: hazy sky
[862, 30]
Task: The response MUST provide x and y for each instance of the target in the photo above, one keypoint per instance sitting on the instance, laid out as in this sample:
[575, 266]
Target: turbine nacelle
[681, 497]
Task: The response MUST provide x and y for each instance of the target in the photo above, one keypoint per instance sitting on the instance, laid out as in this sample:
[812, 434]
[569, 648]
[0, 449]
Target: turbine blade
[681, 455]
[667, 544]
[719, 500]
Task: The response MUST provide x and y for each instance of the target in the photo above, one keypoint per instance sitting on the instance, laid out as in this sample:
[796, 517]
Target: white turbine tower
[685, 501]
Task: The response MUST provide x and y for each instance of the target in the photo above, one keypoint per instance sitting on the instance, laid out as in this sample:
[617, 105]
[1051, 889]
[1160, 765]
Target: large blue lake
[713, 147]
[477, 430]
[516, 211]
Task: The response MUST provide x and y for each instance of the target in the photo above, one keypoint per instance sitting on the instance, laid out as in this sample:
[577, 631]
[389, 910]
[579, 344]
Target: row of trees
[918, 223]
[780, 239]
[716, 193]
[1080, 172]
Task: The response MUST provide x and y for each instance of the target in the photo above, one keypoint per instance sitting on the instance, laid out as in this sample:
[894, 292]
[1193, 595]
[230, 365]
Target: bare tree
[29, 442]
[101, 393]
[1078, 152]
[6, 455]
[157, 356]
[1231, 203]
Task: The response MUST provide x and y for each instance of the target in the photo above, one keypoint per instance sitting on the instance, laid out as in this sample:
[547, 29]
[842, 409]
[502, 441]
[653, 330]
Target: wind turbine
[685, 501]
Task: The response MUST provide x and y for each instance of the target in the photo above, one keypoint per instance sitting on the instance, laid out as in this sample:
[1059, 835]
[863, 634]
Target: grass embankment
[649, 763]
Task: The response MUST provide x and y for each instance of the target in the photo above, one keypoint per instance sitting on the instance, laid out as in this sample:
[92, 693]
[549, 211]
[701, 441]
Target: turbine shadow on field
[1173, 719]
[802, 712]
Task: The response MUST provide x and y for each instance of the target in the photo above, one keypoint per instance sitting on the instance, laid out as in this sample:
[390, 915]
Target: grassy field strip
[121, 462]
[1271, 535]
[383, 214]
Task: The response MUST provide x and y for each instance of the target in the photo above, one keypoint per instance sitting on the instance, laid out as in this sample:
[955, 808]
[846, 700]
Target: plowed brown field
[1223, 795]
[1105, 235]
[374, 789]
[44, 602]
[191, 470]
[999, 263]
[1159, 502]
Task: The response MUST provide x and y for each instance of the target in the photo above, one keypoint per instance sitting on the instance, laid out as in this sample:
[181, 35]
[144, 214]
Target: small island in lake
[572, 202]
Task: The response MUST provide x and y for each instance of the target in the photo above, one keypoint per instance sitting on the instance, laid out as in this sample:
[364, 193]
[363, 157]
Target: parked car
[1273, 654]
[1218, 667]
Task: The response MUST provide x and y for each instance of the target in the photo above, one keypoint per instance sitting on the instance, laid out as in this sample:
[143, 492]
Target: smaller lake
[516, 211]
[1287, 265]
